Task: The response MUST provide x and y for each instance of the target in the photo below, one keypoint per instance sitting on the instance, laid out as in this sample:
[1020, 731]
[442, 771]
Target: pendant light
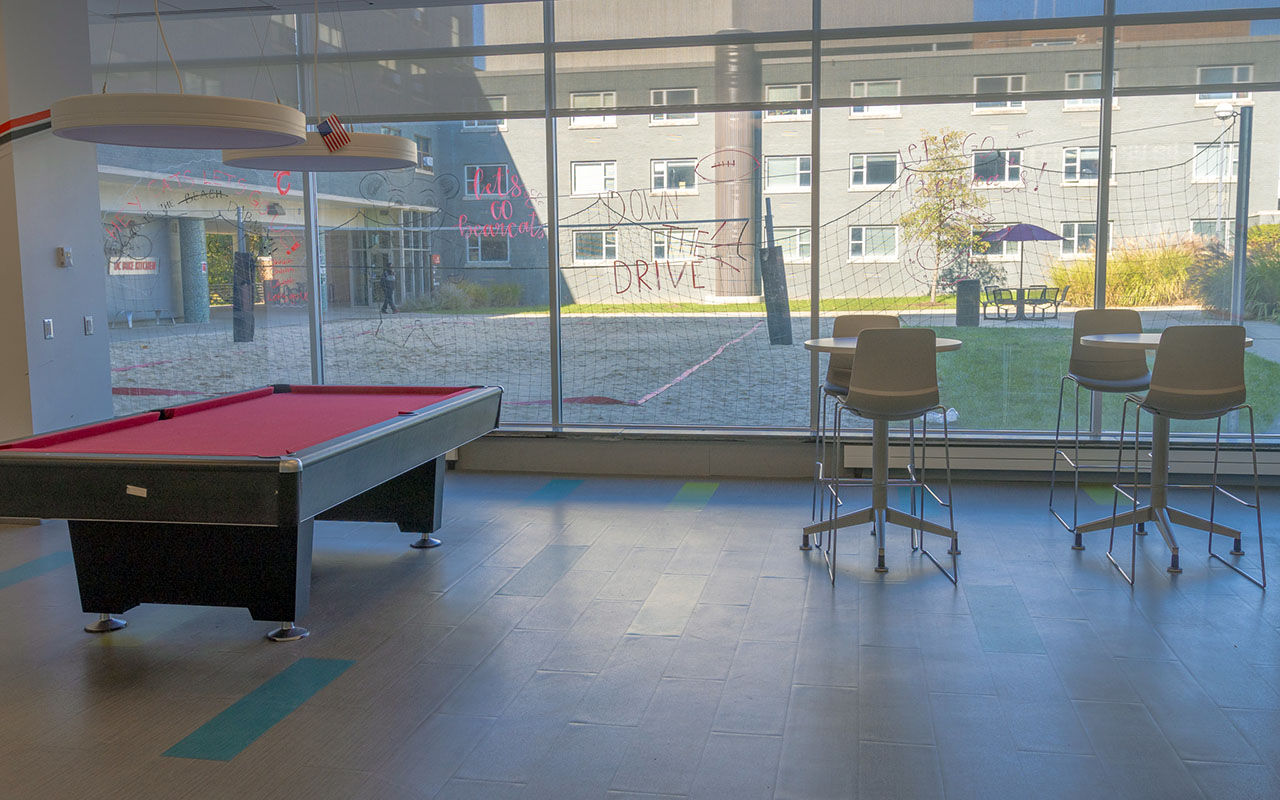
[185, 121]
[366, 152]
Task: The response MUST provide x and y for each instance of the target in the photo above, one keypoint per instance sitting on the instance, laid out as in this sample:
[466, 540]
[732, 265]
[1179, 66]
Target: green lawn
[1007, 379]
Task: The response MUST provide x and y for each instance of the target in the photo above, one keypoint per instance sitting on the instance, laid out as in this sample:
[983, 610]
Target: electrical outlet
[48, 329]
[63, 256]
[88, 326]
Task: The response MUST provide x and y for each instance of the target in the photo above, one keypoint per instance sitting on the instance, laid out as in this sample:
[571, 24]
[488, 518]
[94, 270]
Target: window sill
[876, 187]
[805, 190]
[670, 123]
[980, 112]
[672, 191]
[788, 118]
[484, 129]
[895, 115]
[586, 127]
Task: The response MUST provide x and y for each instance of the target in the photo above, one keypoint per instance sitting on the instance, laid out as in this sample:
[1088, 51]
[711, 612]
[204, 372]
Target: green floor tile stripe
[226, 735]
[34, 568]
[1100, 493]
[694, 494]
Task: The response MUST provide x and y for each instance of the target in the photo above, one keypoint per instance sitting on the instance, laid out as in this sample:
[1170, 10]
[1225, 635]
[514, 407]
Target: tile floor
[630, 638]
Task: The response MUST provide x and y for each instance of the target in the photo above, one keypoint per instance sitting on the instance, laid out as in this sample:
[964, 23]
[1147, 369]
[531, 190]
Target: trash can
[968, 293]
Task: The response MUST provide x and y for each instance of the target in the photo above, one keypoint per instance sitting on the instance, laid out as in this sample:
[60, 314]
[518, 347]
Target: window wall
[646, 233]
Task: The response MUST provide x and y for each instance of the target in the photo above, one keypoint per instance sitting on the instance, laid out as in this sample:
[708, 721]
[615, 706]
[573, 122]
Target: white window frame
[1218, 174]
[1074, 239]
[1072, 155]
[864, 112]
[879, 258]
[1008, 166]
[476, 246]
[1241, 73]
[805, 90]
[658, 97]
[1088, 103]
[663, 166]
[608, 178]
[608, 243]
[426, 162]
[796, 244]
[1013, 84]
[488, 124]
[469, 181]
[1228, 230]
[800, 186]
[865, 185]
[684, 239]
[1008, 251]
[607, 99]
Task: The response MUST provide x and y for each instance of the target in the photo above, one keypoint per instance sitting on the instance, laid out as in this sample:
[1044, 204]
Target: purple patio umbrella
[1021, 232]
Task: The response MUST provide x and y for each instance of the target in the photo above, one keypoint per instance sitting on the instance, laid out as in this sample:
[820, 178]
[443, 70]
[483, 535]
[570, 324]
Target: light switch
[48, 329]
[88, 326]
[63, 255]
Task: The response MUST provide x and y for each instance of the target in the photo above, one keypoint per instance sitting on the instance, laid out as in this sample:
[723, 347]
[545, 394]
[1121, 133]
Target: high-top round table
[1158, 509]
[878, 513]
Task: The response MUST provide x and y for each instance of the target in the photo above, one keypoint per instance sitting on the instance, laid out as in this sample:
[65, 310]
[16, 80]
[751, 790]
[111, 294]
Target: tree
[947, 214]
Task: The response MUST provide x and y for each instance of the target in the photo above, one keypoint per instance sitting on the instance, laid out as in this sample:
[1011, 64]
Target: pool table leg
[413, 500]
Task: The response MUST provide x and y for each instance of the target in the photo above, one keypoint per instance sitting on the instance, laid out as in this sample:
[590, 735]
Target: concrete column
[49, 199]
[194, 270]
[737, 135]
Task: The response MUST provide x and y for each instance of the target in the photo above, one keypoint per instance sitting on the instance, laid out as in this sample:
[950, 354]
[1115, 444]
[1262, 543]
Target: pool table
[212, 502]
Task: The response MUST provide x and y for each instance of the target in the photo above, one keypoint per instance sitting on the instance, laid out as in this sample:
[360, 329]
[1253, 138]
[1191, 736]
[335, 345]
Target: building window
[997, 166]
[593, 100]
[497, 102]
[1088, 82]
[787, 173]
[424, 152]
[1220, 230]
[789, 92]
[593, 177]
[486, 249]
[675, 244]
[999, 84]
[487, 180]
[1080, 165]
[1000, 251]
[1078, 238]
[1216, 161]
[673, 97]
[794, 243]
[875, 89]
[1233, 74]
[873, 243]
[674, 175]
[872, 170]
[595, 247]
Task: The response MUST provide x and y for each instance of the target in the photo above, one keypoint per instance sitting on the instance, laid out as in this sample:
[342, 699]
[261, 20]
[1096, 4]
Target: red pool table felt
[260, 422]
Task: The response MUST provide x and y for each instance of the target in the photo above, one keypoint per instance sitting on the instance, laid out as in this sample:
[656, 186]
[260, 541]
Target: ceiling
[100, 10]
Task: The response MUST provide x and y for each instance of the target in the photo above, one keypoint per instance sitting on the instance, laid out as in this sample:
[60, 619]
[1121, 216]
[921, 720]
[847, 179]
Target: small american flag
[331, 131]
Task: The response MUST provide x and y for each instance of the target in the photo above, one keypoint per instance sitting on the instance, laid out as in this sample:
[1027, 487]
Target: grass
[1005, 379]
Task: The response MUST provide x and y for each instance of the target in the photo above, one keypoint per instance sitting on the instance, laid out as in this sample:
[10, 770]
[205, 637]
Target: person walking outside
[388, 281]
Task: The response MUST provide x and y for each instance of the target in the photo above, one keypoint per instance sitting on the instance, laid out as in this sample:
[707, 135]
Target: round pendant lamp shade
[367, 152]
[185, 121]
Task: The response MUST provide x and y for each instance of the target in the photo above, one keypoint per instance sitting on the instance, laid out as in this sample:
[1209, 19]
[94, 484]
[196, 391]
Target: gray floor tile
[1003, 624]
[622, 690]
[669, 606]
[953, 657]
[776, 609]
[461, 789]
[636, 575]
[827, 654]
[709, 642]
[819, 758]
[581, 763]
[664, 755]
[1236, 781]
[493, 684]
[537, 577]
[560, 608]
[733, 579]
[893, 699]
[1059, 776]
[586, 646]
[741, 767]
[755, 696]
[899, 771]
[975, 749]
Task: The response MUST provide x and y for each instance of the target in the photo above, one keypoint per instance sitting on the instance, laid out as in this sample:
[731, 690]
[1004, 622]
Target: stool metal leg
[1256, 505]
[1115, 496]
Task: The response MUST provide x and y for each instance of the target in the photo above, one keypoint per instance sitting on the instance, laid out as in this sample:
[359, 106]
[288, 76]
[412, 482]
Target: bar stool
[834, 387]
[895, 378]
[1096, 369]
[1198, 374]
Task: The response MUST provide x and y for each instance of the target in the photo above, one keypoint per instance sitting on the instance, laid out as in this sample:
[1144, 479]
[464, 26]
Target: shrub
[504, 295]
[978, 268]
[1138, 274]
[452, 297]
[1262, 274]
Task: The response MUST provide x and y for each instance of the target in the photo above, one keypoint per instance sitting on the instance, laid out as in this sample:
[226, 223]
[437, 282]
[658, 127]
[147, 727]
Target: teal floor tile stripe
[224, 736]
[555, 490]
[34, 567]
[694, 494]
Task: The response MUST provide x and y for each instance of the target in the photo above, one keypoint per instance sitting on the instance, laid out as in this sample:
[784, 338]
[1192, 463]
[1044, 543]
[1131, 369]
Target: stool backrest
[1199, 370]
[1106, 363]
[895, 372]
[848, 325]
